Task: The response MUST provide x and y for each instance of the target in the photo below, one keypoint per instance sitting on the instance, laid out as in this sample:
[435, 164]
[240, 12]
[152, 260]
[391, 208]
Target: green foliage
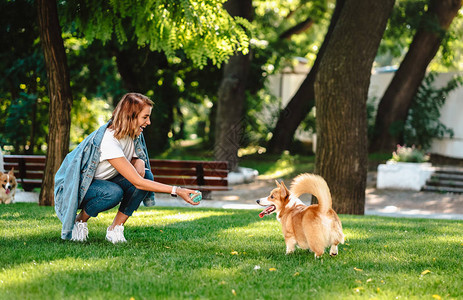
[87, 115]
[409, 154]
[23, 94]
[406, 18]
[192, 253]
[423, 122]
[203, 30]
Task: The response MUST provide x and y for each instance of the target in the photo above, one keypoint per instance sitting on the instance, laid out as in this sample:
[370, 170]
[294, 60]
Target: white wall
[285, 86]
[451, 112]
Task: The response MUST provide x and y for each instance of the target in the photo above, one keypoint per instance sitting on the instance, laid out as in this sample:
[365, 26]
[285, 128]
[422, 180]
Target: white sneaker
[116, 235]
[79, 232]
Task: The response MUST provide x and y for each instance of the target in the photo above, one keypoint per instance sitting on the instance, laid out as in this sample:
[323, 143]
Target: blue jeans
[106, 194]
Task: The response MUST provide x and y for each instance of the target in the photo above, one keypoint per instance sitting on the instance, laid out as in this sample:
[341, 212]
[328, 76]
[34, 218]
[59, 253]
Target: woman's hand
[139, 165]
[185, 194]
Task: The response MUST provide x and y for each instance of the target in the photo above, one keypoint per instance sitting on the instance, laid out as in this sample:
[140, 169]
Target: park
[237, 95]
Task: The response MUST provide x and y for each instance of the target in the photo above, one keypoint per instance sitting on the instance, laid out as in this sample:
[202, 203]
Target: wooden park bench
[205, 176]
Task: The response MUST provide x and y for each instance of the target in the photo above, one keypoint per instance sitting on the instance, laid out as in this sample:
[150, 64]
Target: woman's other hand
[139, 165]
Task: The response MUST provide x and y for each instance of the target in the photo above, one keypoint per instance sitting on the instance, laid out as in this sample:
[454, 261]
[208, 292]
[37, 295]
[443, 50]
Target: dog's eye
[271, 196]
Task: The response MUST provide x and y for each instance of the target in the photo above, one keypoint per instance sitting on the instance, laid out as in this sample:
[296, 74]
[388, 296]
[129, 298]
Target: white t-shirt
[113, 148]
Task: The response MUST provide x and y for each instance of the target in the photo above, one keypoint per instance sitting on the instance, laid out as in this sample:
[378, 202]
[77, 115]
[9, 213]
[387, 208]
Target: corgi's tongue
[267, 210]
[7, 191]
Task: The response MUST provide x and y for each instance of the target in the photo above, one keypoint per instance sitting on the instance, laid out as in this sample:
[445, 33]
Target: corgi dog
[7, 187]
[313, 227]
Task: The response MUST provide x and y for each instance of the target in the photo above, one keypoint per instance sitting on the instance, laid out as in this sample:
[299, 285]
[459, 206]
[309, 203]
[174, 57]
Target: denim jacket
[76, 173]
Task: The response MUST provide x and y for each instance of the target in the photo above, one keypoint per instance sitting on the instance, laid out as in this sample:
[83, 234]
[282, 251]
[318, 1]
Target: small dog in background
[7, 187]
[313, 227]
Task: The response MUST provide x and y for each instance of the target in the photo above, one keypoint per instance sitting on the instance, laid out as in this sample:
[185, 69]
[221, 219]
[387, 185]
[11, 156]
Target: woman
[109, 167]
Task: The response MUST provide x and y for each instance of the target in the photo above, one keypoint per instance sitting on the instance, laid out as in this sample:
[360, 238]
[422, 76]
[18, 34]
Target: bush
[409, 154]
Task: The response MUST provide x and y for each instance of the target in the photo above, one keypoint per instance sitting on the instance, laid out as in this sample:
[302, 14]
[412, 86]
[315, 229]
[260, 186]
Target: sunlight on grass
[178, 253]
[35, 270]
[282, 167]
[167, 217]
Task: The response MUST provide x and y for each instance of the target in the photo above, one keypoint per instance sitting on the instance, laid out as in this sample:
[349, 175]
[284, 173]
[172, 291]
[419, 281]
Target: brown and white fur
[7, 187]
[313, 227]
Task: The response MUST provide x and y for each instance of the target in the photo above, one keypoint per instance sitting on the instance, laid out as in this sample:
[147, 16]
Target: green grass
[176, 253]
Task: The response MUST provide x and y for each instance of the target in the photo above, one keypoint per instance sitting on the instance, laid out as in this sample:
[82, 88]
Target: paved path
[394, 203]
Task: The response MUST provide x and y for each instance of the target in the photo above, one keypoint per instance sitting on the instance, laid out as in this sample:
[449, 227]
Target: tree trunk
[341, 89]
[396, 101]
[304, 99]
[60, 95]
[231, 97]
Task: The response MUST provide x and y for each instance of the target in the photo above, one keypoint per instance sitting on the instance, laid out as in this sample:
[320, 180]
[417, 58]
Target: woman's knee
[102, 196]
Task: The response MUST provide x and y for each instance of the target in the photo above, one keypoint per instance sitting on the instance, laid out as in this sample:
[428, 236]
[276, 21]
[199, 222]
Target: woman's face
[143, 119]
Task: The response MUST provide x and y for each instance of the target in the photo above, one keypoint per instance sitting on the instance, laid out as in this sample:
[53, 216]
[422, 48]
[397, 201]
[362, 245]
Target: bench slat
[30, 167]
[189, 172]
[157, 163]
[190, 181]
[27, 158]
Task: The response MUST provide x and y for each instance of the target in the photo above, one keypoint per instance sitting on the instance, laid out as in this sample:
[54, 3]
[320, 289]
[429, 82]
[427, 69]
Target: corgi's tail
[313, 184]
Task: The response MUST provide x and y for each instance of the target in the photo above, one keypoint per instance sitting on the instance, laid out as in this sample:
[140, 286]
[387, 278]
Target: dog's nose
[258, 201]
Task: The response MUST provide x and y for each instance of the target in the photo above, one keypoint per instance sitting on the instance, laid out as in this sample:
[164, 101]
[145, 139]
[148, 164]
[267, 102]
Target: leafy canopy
[202, 29]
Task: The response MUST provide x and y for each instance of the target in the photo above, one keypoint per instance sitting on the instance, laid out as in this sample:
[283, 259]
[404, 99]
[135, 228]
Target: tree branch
[298, 28]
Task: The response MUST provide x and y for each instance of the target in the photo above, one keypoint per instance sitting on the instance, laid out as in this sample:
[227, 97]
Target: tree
[230, 106]
[303, 101]
[59, 93]
[341, 89]
[397, 99]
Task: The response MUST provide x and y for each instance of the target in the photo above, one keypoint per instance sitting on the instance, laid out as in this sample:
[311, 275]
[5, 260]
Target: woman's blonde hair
[124, 119]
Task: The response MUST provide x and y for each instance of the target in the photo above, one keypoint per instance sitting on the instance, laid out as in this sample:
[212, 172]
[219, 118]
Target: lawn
[176, 253]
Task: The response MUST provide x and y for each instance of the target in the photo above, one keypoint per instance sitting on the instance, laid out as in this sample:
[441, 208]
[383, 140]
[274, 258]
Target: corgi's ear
[11, 171]
[277, 183]
[284, 190]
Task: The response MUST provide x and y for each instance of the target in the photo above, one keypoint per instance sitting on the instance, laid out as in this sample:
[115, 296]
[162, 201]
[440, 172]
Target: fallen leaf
[272, 269]
[167, 247]
[358, 270]
[369, 280]
[234, 292]
[436, 297]
[296, 274]
[222, 282]
[234, 253]
[425, 272]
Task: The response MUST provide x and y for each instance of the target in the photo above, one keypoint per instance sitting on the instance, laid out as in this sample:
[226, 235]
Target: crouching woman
[109, 167]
